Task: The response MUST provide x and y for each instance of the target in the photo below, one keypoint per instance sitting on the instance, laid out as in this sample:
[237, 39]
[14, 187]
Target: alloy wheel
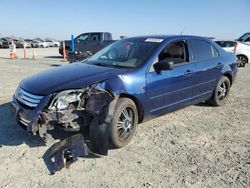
[125, 123]
[222, 91]
[242, 60]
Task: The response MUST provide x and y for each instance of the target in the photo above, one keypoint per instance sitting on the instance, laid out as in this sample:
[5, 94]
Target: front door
[171, 89]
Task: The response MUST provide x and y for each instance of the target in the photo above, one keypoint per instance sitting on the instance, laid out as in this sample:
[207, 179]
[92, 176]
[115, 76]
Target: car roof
[167, 37]
[224, 41]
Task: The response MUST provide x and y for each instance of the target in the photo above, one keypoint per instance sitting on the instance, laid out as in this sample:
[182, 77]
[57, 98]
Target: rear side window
[95, 37]
[202, 50]
[107, 36]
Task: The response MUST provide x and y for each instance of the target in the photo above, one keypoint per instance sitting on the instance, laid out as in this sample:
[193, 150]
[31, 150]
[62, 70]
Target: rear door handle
[188, 72]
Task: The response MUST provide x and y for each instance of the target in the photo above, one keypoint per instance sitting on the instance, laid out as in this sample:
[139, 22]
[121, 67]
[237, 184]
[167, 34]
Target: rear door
[208, 68]
[171, 89]
[95, 42]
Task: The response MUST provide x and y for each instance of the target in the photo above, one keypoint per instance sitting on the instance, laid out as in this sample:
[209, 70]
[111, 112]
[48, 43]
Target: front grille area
[24, 121]
[27, 98]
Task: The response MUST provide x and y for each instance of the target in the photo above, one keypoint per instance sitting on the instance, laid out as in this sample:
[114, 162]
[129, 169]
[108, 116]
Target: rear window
[203, 50]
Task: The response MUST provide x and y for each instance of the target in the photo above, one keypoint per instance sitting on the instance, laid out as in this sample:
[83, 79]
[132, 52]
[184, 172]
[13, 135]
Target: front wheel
[221, 92]
[124, 123]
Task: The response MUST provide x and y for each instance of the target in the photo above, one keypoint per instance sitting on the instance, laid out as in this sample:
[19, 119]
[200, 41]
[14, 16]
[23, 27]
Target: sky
[223, 19]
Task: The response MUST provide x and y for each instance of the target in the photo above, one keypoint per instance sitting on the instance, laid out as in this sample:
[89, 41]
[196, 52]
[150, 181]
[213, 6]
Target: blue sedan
[126, 83]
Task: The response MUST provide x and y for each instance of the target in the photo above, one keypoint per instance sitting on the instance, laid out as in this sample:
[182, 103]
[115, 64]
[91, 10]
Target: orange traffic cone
[34, 55]
[64, 52]
[24, 52]
[12, 56]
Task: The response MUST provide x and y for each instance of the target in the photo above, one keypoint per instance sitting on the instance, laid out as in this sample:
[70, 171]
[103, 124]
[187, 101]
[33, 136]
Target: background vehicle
[18, 43]
[40, 43]
[32, 43]
[244, 38]
[35, 44]
[52, 43]
[128, 82]
[88, 42]
[241, 50]
[1, 43]
[6, 42]
[22, 44]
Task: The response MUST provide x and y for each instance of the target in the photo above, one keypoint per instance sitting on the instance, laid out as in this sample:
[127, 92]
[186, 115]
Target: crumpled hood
[72, 76]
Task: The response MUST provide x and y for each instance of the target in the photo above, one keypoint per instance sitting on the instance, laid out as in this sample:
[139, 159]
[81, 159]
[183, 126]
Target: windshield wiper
[101, 64]
[108, 65]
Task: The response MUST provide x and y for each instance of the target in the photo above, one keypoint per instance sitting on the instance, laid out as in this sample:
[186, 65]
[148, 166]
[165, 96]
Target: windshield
[128, 53]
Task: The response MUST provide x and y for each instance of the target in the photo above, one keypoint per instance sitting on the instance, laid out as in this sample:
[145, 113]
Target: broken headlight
[64, 99]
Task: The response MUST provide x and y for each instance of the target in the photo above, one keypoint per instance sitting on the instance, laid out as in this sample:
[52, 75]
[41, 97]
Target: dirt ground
[199, 146]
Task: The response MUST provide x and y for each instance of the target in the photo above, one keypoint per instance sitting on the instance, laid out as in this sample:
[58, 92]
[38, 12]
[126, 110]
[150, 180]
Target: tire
[221, 92]
[242, 60]
[122, 133]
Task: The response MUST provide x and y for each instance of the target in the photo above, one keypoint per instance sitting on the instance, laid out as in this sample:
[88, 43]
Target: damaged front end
[71, 110]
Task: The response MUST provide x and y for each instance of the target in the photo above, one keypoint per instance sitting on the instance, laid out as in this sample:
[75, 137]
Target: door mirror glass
[163, 65]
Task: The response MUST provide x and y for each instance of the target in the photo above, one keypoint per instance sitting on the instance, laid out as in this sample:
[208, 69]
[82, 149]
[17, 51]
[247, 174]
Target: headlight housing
[63, 99]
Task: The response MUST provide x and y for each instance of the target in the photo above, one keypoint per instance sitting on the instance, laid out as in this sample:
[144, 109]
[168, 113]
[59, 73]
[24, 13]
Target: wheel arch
[229, 76]
[137, 103]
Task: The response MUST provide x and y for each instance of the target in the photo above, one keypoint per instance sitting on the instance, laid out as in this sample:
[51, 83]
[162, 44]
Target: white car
[26, 44]
[53, 43]
[241, 50]
[42, 44]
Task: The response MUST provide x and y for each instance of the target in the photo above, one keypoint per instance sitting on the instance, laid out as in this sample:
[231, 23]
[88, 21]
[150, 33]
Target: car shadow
[11, 134]
[55, 65]
[54, 57]
[203, 104]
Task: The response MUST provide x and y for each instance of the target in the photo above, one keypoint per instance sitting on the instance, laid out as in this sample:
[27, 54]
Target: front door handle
[219, 65]
[188, 72]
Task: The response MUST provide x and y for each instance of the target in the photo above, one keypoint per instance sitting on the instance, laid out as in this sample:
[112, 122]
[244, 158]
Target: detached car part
[70, 110]
[67, 151]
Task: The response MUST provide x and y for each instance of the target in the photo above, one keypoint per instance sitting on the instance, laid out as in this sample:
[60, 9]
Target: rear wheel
[124, 123]
[221, 92]
[242, 60]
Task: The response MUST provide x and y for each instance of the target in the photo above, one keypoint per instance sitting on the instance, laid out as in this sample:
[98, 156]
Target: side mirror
[163, 65]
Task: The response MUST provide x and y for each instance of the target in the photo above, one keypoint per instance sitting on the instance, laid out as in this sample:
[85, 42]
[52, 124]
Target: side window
[203, 50]
[83, 37]
[174, 52]
[95, 37]
[106, 36]
[247, 39]
[110, 36]
[215, 52]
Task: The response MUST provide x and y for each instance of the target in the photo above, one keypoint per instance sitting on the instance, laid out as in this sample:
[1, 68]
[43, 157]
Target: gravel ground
[198, 146]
